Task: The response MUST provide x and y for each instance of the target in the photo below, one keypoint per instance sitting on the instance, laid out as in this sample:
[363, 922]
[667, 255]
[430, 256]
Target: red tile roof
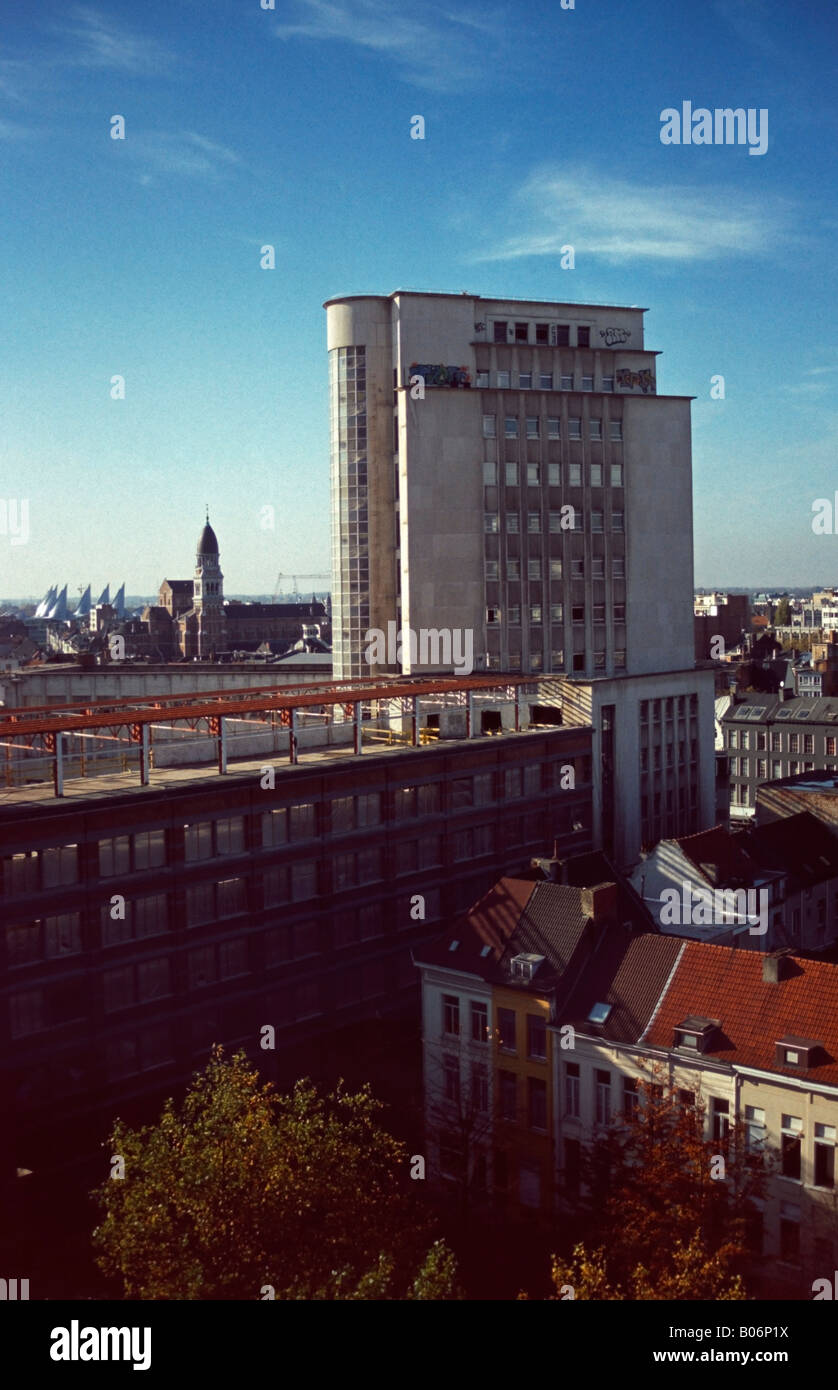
[718, 982]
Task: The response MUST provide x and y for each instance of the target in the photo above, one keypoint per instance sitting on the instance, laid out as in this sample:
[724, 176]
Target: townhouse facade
[749, 1037]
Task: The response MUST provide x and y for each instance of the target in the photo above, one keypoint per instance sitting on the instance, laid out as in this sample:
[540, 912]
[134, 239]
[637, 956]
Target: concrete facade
[448, 483]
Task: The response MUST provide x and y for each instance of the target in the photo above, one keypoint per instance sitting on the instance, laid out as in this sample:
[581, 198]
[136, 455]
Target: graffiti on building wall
[628, 379]
[614, 335]
[435, 374]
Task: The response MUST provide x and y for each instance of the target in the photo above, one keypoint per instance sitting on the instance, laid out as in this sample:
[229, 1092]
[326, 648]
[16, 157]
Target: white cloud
[101, 42]
[183, 153]
[441, 50]
[616, 220]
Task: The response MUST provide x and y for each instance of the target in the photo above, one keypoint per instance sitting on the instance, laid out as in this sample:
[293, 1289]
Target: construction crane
[321, 574]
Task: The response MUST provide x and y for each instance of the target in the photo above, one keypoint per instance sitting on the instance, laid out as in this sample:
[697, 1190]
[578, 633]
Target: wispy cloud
[617, 220]
[440, 49]
[99, 41]
[184, 154]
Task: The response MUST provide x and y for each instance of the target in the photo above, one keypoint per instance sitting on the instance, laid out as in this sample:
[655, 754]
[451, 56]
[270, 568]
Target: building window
[567, 382]
[616, 429]
[451, 1014]
[504, 380]
[577, 569]
[522, 332]
[596, 475]
[616, 475]
[583, 337]
[508, 1095]
[571, 1090]
[26, 1013]
[542, 333]
[616, 521]
[512, 523]
[506, 1029]
[618, 567]
[595, 428]
[754, 1131]
[451, 1071]
[791, 1136]
[499, 328]
[630, 1097]
[577, 615]
[525, 381]
[537, 1102]
[510, 426]
[574, 428]
[536, 1037]
[514, 615]
[482, 379]
[719, 1114]
[511, 473]
[553, 431]
[488, 426]
[824, 1155]
[533, 474]
[479, 1022]
[608, 383]
[545, 381]
[789, 1232]
[490, 523]
[602, 1081]
[596, 521]
[490, 472]
[479, 1088]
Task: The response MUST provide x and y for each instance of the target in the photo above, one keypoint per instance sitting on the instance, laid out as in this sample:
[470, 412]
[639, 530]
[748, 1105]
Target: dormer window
[524, 966]
[799, 1053]
[695, 1033]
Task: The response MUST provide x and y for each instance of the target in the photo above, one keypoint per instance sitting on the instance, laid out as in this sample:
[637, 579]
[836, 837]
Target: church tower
[208, 596]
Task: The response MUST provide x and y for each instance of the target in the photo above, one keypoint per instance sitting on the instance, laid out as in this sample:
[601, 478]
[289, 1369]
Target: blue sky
[247, 126]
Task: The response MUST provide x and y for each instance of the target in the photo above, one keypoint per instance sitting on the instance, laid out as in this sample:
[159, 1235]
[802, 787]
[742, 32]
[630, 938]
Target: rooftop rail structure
[46, 745]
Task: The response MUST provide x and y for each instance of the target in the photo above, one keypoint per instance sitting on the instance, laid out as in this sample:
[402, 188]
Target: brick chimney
[600, 902]
[774, 966]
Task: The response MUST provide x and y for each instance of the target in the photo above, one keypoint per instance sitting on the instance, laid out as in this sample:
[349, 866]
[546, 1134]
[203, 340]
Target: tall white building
[507, 468]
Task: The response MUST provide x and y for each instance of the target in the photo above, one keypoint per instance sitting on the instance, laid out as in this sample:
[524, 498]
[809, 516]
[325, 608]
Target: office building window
[596, 475]
[595, 429]
[533, 474]
[583, 337]
[616, 475]
[555, 569]
[522, 333]
[616, 521]
[574, 428]
[488, 426]
[525, 381]
[542, 333]
[596, 521]
[553, 427]
[545, 381]
[533, 521]
[616, 429]
[503, 380]
[490, 523]
[510, 426]
[575, 474]
[567, 382]
[618, 567]
[490, 472]
[512, 523]
[482, 379]
[500, 334]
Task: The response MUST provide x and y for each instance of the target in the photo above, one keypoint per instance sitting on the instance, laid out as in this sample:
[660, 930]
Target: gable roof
[723, 983]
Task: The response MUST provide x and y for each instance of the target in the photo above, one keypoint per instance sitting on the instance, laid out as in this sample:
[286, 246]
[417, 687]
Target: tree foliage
[669, 1210]
[243, 1188]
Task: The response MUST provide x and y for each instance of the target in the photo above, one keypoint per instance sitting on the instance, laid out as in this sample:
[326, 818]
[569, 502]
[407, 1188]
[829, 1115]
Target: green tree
[244, 1188]
[782, 613]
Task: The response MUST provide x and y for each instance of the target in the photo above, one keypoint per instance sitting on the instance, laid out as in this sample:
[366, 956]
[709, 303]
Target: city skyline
[140, 257]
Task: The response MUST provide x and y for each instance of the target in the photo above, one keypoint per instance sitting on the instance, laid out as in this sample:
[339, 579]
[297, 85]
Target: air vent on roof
[453, 946]
[485, 951]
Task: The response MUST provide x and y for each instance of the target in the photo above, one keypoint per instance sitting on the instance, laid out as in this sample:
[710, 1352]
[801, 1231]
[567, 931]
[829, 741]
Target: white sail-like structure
[83, 609]
[46, 602]
[119, 601]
